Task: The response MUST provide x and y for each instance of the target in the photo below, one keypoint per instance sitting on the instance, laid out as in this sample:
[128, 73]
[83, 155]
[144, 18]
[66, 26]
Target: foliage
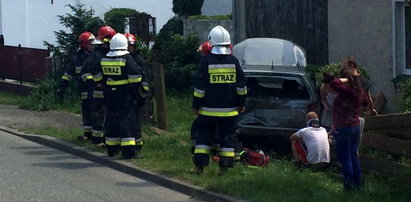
[180, 58]
[43, 98]
[316, 72]
[187, 7]
[94, 24]
[76, 23]
[403, 84]
[173, 26]
[213, 17]
[115, 18]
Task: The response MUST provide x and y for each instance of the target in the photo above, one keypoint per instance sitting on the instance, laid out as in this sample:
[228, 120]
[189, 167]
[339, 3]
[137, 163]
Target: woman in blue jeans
[346, 111]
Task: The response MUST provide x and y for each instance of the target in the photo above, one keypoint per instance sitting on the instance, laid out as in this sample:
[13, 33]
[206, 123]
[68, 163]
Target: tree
[187, 7]
[75, 22]
[116, 18]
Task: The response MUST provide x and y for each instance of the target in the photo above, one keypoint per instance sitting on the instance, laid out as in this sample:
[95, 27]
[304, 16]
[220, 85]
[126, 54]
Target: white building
[30, 22]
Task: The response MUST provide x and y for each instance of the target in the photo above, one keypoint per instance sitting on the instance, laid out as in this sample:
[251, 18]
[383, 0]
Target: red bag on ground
[254, 158]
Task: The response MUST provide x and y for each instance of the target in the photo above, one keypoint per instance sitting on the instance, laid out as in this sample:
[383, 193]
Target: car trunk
[276, 101]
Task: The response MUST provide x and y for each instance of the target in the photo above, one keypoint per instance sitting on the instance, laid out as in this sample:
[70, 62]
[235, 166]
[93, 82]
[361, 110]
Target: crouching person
[310, 145]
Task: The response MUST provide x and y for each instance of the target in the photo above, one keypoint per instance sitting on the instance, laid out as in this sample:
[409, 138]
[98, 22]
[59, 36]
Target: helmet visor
[221, 50]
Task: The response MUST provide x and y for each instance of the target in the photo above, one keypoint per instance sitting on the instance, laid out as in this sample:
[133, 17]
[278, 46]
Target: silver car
[279, 92]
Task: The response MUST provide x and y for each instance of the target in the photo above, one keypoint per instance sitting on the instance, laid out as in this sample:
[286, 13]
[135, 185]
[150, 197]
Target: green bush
[403, 84]
[173, 26]
[43, 98]
[182, 59]
[315, 73]
[115, 18]
[213, 17]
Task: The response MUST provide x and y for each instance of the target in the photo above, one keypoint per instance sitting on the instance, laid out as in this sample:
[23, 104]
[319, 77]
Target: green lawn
[169, 154]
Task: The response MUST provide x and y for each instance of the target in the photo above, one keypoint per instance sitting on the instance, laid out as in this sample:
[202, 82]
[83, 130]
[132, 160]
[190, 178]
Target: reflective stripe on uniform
[199, 93]
[87, 129]
[86, 76]
[83, 95]
[146, 86]
[226, 152]
[97, 133]
[78, 69]
[237, 156]
[130, 141]
[113, 62]
[112, 141]
[98, 77]
[139, 141]
[221, 68]
[242, 91]
[134, 78]
[66, 76]
[98, 94]
[202, 149]
[112, 82]
[219, 112]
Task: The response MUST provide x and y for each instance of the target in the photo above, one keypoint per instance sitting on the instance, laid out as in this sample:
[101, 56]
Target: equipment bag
[254, 158]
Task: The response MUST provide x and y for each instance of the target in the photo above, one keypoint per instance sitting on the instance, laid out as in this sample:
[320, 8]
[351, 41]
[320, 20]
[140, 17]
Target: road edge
[123, 166]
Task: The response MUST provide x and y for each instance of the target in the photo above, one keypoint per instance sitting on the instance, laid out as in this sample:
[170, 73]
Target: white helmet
[118, 45]
[220, 40]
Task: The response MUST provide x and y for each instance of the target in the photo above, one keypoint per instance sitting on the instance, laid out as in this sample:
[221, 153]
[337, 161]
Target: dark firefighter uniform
[140, 98]
[97, 105]
[220, 89]
[121, 79]
[73, 71]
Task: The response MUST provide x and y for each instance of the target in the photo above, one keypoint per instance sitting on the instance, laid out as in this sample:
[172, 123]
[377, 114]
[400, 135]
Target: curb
[124, 167]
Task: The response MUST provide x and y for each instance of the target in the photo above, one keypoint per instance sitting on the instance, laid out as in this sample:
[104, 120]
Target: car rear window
[277, 88]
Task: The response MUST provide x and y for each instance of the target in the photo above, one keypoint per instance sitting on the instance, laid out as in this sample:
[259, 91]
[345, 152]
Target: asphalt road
[33, 172]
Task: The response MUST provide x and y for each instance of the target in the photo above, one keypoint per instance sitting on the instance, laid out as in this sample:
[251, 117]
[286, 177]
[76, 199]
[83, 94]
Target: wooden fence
[22, 65]
[391, 135]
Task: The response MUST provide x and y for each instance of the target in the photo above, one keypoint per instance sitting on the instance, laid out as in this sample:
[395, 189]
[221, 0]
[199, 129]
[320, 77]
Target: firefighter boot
[198, 170]
[85, 137]
[128, 152]
[112, 150]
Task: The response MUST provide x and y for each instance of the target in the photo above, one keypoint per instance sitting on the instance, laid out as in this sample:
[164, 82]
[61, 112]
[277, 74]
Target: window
[407, 12]
[402, 37]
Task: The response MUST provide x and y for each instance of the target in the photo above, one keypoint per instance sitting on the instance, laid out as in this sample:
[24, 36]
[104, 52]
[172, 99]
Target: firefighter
[219, 96]
[88, 74]
[139, 99]
[73, 72]
[121, 78]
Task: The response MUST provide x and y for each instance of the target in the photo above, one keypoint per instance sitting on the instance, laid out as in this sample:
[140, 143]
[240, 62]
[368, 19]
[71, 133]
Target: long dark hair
[353, 80]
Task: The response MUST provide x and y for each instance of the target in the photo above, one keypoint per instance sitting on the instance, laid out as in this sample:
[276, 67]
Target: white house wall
[30, 22]
[363, 29]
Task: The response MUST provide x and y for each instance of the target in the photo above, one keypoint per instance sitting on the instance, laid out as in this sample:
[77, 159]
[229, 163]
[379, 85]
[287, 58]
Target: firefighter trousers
[98, 116]
[119, 122]
[207, 127]
[86, 115]
[136, 127]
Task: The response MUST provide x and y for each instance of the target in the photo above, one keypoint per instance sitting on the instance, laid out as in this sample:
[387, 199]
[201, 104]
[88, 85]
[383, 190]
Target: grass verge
[169, 154]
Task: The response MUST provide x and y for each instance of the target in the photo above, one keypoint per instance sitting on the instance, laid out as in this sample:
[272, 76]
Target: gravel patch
[13, 117]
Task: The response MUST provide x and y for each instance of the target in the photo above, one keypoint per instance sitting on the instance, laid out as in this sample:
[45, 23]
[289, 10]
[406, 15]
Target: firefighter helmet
[118, 45]
[84, 38]
[220, 40]
[104, 35]
[206, 48]
[219, 36]
[131, 38]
